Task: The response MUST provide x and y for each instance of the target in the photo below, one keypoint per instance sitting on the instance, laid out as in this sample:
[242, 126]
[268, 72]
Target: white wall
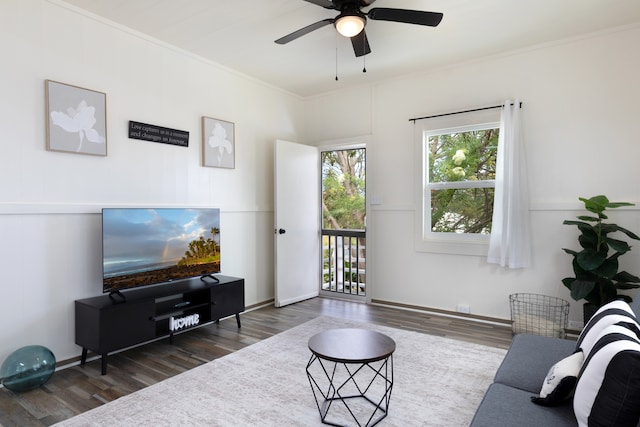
[580, 118]
[50, 232]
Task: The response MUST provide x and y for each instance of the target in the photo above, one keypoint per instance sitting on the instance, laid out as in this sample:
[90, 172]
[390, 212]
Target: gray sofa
[507, 402]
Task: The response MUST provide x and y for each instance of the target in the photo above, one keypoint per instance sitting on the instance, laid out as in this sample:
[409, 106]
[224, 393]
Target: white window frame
[440, 242]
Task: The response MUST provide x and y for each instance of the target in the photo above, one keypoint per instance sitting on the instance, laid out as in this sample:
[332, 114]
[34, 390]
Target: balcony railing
[344, 261]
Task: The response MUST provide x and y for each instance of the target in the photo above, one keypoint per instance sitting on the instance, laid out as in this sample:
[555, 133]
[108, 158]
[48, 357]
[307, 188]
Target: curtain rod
[458, 112]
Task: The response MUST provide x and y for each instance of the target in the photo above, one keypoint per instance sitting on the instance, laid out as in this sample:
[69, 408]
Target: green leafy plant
[597, 279]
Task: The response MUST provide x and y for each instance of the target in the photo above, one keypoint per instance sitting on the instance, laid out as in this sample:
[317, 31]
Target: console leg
[104, 364]
[238, 319]
[83, 358]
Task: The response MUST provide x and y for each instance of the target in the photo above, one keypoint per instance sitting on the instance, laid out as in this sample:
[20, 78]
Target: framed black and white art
[76, 119]
[218, 143]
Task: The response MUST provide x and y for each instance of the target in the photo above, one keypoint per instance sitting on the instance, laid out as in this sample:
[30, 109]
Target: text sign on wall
[147, 132]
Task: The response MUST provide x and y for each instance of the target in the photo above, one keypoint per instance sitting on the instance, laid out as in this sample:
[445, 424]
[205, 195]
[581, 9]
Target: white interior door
[297, 222]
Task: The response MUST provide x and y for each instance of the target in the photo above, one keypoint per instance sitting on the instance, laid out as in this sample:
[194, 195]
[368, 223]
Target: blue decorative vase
[27, 368]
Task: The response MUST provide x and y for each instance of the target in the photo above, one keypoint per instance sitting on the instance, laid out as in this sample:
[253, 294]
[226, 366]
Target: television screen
[143, 246]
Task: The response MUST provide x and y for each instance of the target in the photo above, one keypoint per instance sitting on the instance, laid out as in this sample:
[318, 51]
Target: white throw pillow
[560, 382]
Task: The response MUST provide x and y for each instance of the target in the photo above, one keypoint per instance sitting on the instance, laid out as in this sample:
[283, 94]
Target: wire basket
[539, 315]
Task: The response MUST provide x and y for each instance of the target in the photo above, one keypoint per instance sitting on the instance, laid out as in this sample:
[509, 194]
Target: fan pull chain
[364, 57]
[336, 56]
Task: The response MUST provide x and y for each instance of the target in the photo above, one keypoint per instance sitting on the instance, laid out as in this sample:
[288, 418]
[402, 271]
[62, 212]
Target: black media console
[104, 326]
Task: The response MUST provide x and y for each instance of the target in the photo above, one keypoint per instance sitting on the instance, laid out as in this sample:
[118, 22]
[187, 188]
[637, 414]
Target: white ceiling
[240, 34]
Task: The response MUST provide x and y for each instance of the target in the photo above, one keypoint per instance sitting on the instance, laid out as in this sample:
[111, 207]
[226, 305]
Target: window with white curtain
[457, 161]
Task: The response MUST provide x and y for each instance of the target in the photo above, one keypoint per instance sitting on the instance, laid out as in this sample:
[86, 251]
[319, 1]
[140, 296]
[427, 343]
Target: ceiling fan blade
[306, 30]
[419, 17]
[327, 4]
[361, 44]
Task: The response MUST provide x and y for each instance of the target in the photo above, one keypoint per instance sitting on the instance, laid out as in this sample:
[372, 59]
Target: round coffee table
[353, 367]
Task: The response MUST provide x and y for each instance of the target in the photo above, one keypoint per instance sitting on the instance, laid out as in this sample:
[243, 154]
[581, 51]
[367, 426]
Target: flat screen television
[145, 246]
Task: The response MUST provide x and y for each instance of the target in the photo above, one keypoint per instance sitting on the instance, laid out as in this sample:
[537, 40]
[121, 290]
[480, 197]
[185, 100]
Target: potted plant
[597, 279]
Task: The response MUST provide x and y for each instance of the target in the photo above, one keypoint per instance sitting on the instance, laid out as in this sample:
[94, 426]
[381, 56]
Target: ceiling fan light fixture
[350, 25]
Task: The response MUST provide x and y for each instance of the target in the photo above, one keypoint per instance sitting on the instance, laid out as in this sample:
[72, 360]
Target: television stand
[104, 325]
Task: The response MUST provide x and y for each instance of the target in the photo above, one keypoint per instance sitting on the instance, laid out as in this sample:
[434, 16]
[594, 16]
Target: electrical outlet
[463, 308]
[574, 324]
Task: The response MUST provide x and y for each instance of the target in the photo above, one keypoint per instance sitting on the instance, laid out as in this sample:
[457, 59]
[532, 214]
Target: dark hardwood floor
[77, 389]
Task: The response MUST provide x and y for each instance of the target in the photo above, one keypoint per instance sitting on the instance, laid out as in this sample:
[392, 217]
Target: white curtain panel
[509, 245]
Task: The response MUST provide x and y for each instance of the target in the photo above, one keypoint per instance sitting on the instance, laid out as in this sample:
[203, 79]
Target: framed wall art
[218, 143]
[76, 119]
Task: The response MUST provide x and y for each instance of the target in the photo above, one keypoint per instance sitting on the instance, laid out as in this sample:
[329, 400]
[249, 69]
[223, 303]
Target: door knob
[281, 231]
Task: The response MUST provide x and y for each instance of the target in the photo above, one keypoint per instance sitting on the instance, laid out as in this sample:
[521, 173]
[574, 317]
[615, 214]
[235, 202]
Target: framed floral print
[218, 143]
[76, 119]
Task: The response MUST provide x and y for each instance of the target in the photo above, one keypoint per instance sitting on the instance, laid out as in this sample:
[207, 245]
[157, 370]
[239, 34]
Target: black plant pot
[588, 310]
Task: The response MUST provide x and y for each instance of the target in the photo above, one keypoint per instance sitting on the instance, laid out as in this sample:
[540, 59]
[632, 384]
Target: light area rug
[437, 382]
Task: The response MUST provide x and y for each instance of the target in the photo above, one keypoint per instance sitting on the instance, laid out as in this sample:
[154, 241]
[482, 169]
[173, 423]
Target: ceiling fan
[352, 20]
